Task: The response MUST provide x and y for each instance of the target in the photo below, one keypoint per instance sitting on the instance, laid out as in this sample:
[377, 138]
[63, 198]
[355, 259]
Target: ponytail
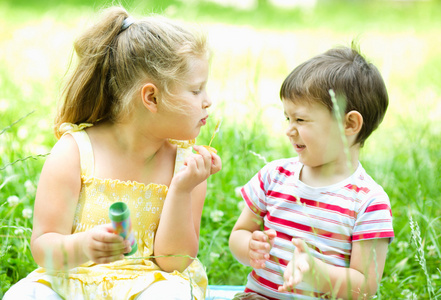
[86, 94]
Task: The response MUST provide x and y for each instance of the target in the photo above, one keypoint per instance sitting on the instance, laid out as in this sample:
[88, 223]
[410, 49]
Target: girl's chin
[188, 137]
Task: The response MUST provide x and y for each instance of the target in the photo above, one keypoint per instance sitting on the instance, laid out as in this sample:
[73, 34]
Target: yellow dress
[123, 279]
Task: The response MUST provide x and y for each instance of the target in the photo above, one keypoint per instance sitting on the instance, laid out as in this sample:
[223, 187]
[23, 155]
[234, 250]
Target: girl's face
[314, 133]
[189, 103]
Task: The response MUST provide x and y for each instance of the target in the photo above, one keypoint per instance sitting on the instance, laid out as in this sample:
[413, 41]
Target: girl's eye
[300, 120]
[196, 92]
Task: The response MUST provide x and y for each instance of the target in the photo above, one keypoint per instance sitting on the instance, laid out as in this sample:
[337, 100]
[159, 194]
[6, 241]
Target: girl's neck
[134, 141]
[126, 151]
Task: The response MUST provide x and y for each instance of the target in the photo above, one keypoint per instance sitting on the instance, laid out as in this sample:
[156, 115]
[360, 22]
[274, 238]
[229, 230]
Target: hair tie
[126, 23]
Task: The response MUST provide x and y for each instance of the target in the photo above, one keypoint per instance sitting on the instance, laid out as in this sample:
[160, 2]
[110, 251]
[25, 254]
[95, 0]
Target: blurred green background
[255, 45]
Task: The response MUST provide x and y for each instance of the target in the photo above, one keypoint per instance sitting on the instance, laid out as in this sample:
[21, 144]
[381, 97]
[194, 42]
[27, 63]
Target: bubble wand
[216, 130]
[119, 214]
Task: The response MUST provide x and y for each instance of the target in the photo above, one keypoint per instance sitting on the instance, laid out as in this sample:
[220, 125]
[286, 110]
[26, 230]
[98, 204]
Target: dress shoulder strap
[84, 145]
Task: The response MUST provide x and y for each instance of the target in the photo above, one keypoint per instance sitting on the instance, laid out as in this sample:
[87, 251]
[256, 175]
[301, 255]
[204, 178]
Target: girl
[131, 111]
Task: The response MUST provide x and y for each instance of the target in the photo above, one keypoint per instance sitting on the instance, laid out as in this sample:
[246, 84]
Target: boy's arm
[359, 281]
[249, 244]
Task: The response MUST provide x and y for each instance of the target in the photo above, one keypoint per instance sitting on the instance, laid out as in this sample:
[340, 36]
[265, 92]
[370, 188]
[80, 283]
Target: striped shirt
[327, 218]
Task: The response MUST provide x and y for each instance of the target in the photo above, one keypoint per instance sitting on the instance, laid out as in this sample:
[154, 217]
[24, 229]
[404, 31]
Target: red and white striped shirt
[327, 218]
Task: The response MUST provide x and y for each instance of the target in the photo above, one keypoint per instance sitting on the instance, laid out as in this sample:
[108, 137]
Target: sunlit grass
[248, 67]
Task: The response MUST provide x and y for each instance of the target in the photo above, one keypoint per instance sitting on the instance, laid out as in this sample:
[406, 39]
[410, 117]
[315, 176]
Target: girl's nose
[207, 101]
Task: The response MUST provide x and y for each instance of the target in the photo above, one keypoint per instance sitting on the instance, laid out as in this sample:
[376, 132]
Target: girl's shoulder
[63, 163]
[65, 146]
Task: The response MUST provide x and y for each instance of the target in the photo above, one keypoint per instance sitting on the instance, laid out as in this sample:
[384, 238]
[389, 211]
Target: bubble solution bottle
[119, 214]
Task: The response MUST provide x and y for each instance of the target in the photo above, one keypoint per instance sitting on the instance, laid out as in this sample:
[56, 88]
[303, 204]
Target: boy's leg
[26, 289]
[248, 296]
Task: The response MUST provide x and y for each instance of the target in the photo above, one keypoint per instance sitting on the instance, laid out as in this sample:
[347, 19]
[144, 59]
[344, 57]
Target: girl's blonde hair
[113, 64]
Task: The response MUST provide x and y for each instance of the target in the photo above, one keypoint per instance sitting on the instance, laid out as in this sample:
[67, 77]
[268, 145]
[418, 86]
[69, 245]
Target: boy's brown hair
[350, 76]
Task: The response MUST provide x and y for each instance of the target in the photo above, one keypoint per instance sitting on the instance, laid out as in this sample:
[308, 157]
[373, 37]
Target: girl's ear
[149, 95]
[353, 123]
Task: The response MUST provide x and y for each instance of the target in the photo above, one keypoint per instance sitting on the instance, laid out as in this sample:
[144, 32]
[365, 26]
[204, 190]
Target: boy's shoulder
[363, 177]
[364, 186]
[284, 165]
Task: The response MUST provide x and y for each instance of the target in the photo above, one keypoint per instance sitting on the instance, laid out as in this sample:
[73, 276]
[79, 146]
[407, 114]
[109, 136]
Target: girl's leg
[26, 289]
[171, 289]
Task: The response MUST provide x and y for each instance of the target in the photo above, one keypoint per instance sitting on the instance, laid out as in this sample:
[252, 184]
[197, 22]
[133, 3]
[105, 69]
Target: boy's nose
[291, 131]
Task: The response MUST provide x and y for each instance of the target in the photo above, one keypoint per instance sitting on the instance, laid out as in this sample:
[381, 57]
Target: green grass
[253, 52]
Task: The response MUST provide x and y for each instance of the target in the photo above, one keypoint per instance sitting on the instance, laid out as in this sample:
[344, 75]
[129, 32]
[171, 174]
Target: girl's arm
[178, 230]
[248, 243]
[52, 243]
[359, 281]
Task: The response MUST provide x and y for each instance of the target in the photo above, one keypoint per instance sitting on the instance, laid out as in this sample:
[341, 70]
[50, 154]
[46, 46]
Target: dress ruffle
[183, 144]
[111, 183]
[66, 127]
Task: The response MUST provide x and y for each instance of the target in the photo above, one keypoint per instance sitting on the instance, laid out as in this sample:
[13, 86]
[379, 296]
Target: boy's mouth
[299, 147]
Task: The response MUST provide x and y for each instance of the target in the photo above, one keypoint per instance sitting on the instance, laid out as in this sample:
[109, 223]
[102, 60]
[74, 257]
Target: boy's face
[314, 133]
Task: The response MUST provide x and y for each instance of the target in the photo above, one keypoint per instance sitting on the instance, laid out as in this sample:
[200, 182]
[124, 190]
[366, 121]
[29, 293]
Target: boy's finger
[271, 233]
[303, 266]
[257, 255]
[259, 246]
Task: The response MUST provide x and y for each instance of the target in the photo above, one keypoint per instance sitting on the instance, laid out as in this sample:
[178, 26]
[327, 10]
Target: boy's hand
[259, 247]
[297, 267]
[102, 245]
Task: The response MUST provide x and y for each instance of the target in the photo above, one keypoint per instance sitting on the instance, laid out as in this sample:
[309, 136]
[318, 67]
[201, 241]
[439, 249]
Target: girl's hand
[259, 247]
[198, 168]
[297, 267]
[216, 163]
[102, 245]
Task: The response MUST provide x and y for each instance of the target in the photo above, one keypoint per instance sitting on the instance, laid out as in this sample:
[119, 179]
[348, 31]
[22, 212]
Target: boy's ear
[149, 95]
[353, 123]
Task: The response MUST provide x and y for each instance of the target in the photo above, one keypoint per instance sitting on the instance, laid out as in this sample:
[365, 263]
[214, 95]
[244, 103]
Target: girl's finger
[105, 234]
[108, 259]
[216, 163]
[204, 163]
[108, 247]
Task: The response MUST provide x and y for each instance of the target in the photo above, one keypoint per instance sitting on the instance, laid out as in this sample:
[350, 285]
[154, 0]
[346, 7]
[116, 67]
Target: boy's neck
[332, 173]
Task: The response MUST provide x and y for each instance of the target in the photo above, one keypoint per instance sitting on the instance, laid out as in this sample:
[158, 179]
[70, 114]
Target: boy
[318, 225]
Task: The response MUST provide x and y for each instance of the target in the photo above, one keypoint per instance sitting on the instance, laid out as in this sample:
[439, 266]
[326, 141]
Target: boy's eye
[196, 92]
[298, 120]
